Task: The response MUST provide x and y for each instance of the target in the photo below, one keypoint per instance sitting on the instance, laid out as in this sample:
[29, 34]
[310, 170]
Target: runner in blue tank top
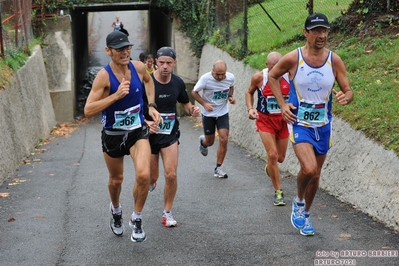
[117, 92]
[312, 69]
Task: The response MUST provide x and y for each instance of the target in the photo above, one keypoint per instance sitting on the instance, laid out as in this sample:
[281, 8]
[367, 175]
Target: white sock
[116, 209]
[136, 215]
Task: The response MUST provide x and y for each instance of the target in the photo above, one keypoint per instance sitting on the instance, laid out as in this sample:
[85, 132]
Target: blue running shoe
[308, 229]
[297, 215]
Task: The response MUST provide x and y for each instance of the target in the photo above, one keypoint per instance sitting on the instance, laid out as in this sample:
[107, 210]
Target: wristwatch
[153, 105]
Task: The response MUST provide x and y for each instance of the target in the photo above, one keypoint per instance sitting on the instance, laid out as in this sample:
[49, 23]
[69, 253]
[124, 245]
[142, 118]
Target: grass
[14, 60]
[372, 66]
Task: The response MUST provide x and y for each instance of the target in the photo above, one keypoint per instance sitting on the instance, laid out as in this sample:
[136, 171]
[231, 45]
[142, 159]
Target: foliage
[14, 60]
[363, 7]
[196, 17]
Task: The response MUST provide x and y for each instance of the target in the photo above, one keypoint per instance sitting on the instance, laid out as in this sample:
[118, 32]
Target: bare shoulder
[139, 66]
[336, 57]
[257, 77]
[291, 57]
[338, 64]
[102, 75]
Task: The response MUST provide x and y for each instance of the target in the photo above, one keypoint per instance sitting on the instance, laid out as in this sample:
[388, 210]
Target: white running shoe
[219, 173]
[138, 234]
[203, 149]
[167, 220]
[116, 222]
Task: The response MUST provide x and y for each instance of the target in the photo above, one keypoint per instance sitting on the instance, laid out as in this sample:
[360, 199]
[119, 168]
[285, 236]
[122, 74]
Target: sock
[136, 215]
[299, 200]
[117, 209]
[218, 165]
[165, 212]
[306, 213]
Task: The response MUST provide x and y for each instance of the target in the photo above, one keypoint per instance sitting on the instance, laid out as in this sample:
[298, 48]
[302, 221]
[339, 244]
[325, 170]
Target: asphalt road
[55, 211]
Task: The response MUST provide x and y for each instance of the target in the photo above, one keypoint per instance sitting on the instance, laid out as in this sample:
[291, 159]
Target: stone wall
[357, 170]
[27, 114]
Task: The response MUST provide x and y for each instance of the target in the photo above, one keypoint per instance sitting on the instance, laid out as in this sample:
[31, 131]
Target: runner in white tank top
[312, 69]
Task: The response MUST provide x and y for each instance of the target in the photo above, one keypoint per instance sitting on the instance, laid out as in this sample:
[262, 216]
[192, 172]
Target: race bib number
[168, 123]
[272, 105]
[312, 113]
[220, 95]
[128, 119]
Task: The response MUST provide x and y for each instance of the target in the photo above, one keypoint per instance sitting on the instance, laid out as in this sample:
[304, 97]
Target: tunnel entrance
[149, 29]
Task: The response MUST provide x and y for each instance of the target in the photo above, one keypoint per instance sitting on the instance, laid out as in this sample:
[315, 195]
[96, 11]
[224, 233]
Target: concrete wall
[58, 54]
[357, 170]
[26, 113]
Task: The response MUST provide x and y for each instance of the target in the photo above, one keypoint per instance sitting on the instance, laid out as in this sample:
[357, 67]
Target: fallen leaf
[344, 236]
[4, 194]
[11, 219]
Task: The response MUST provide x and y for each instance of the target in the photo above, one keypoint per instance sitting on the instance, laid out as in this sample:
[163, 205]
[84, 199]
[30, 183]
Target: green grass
[372, 65]
[14, 60]
[373, 68]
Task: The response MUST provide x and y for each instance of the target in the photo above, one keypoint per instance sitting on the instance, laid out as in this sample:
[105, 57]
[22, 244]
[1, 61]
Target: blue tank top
[126, 113]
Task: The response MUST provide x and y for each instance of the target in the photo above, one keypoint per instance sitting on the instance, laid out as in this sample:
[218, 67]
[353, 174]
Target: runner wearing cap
[117, 92]
[312, 70]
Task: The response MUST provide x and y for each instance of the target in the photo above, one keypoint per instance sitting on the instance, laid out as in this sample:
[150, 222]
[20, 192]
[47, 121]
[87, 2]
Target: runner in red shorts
[271, 126]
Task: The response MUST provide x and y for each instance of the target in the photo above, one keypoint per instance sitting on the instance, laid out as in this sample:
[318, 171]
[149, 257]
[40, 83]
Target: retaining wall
[27, 114]
[357, 170]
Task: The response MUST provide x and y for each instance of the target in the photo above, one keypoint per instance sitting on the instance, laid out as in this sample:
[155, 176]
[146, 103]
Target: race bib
[272, 105]
[220, 95]
[168, 123]
[312, 113]
[128, 119]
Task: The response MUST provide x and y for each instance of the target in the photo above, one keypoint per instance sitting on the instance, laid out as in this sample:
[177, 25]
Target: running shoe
[267, 172]
[219, 173]
[152, 186]
[279, 198]
[167, 220]
[203, 149]
[116, 222]
[138, 234]
[308, 229]
[297, 215]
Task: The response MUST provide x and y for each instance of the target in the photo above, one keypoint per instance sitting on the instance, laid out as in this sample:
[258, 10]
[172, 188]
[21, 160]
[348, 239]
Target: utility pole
[1, 35]
[309, 6]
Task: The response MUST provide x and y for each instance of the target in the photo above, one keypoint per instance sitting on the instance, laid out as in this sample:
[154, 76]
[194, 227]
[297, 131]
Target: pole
[1, 35]
[269, 16]
[310, 7]
[245, 28]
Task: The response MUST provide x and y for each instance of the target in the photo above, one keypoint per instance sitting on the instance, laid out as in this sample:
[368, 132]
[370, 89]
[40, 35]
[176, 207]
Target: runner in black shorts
[117, 92]
[118, 143]
[169, 90]
[217, 89]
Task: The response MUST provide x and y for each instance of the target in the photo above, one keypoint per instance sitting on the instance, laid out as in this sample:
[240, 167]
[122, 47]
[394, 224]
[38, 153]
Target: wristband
[250, 109]
[230, 96]
[153, 105]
